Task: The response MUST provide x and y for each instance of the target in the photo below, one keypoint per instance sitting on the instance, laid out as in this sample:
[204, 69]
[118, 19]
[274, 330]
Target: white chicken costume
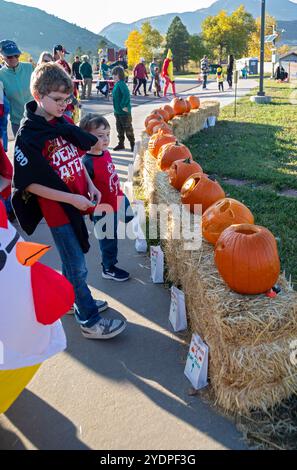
[33, 298]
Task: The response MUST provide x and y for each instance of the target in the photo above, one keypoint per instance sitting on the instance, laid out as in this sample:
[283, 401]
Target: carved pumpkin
[153, 123]
[247, 258]
[194, 102]
[181, 170]
[169, 110]
[153, 115]
[200, 189]
[179, 106]
[162, 112]
[221, 215]
[169, 153]
[157, 140]
[188, 106]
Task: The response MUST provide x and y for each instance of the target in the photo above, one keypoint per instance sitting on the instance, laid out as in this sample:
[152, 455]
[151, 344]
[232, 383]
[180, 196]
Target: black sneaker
[119, 147]
[115, 274]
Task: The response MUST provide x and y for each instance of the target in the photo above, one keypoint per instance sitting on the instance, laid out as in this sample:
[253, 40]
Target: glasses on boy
[60, 101]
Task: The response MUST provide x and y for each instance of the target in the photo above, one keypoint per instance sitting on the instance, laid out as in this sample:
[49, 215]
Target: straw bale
[249, 336]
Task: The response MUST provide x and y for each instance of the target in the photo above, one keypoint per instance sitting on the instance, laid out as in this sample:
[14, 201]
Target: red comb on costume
[3, 216]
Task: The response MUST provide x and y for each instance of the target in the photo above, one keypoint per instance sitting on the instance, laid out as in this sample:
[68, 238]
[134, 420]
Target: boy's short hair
[119, 71]
[93, 121]
[50, 77]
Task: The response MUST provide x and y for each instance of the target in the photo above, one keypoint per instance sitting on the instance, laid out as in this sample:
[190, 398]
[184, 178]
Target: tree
[178, 40]
[134, 44]
[197, 48]
[152, 40]
[227, 35]
[255, 40]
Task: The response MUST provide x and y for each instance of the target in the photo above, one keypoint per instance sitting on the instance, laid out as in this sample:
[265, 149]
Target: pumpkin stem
[187, 160]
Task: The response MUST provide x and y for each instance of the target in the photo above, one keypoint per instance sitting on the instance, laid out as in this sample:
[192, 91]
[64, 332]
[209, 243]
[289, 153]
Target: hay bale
[248, 336]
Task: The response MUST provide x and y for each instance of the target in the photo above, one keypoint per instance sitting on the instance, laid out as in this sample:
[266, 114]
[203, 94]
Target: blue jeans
[75, 270]
[108, 242]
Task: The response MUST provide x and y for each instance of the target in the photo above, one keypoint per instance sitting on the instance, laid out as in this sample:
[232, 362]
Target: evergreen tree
[178, 40]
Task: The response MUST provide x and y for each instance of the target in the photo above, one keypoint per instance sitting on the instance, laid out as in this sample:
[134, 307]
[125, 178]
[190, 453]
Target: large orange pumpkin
[200, 189]
[169, 110]
[194, 102]
[169, 153]
[221, 215]
[157, 140]
[179, 106]
[165, 115]
[153, 115]
[247, 258]
[153, 123]
[181, 170]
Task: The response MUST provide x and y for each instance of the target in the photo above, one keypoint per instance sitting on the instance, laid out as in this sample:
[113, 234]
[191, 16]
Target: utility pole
[261, 98]
[261, 91]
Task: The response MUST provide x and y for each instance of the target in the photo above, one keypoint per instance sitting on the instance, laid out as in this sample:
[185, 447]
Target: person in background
[75, 68]
[102, 84]
[59, 58]
[244, 72]
[220, 78]
[157, 83]
[153, 66]
[86, 72]
[167, 73]
[102, 172]
[140, 73]
[45, 57]
[4, 112]
[230, 71]
[122, 109]
[204, 65]
[15, 77]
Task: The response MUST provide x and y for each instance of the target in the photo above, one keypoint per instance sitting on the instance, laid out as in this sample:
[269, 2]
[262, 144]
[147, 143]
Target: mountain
[35, 31]
[281, 9]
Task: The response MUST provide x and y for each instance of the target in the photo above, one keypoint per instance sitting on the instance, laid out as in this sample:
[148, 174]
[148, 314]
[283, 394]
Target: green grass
[259, 145]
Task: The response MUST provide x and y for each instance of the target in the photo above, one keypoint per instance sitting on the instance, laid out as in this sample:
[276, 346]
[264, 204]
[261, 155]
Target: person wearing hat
[15, 76]
[140, 73]
[59, 58]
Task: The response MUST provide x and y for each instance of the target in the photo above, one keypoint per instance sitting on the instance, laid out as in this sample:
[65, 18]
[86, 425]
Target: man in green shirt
[15, 76]
[86, 72]
[122, 109]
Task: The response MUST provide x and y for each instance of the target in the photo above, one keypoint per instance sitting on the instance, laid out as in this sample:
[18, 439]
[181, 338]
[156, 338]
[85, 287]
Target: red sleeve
[165, 67]
[6, 169]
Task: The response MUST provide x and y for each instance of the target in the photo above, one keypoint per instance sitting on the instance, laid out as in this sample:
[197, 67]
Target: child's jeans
[75, 270]
[107, 234]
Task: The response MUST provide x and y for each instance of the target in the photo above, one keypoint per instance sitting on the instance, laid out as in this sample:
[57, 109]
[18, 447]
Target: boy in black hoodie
[50, 181]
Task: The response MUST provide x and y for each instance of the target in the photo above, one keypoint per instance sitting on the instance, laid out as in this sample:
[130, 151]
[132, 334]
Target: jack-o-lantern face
[221, 215]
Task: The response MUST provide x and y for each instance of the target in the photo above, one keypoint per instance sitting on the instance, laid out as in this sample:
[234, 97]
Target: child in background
[122, 109]
[220, 78]
[157, 83]
[101, 169]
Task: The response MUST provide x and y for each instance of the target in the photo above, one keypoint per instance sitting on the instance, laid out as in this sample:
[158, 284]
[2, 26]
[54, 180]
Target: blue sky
[96, 14]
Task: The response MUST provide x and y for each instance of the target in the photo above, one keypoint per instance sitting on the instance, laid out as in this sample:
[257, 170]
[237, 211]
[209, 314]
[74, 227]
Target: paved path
[127, 393]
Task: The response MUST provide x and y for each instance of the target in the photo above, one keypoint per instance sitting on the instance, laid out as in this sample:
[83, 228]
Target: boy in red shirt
[50, 181]
[101, 169]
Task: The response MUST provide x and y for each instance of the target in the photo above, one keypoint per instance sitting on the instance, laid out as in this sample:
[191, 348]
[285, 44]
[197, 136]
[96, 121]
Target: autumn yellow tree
[152, 40]
[134, 44]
